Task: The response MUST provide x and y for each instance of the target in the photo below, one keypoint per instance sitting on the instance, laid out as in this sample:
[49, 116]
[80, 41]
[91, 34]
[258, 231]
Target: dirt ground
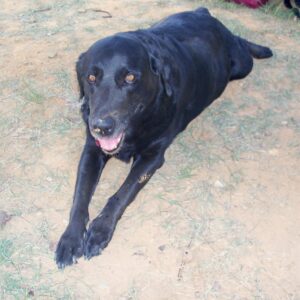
[220, 220]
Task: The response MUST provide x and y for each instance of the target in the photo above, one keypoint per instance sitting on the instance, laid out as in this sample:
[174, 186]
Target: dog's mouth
[110, 144]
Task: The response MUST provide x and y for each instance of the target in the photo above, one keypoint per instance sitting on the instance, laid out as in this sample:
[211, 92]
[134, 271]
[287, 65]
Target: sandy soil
[220, 220]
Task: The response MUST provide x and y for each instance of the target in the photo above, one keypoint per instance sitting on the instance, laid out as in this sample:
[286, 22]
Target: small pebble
[162, 247]
[273, 152]
[219, 184]
[52, 55]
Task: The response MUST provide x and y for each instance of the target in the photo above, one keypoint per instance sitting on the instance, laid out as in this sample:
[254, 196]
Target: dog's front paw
[98, 236]
[69, 248]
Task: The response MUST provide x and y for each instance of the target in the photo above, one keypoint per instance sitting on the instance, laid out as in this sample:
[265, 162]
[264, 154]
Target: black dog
[294, 6]
[140, 90]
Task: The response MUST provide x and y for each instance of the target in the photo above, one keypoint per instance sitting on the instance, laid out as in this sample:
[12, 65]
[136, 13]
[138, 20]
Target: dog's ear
[161, 68]
[159, 62]
[85, 110]
[288, 4]
[79, 72]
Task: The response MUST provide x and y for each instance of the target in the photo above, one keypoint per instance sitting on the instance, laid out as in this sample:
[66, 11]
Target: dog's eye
[92, 79]
[130, 78]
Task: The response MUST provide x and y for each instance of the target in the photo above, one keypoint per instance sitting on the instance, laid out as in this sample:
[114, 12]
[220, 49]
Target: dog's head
[119, 79]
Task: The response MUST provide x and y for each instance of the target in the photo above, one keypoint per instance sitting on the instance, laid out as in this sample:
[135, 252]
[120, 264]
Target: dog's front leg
[102, 227]
[70, 246]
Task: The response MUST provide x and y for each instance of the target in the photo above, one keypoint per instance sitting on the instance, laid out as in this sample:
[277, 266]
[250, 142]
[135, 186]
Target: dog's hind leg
[241, 60]
[242, 55]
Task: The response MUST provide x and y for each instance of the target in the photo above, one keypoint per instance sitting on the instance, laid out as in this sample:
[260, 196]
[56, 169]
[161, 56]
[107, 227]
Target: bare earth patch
[220, 220]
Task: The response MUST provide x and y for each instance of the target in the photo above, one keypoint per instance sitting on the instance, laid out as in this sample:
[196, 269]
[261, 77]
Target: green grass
[19, 282]
[59, 126]
[6, 250]
[185, 173]
[55, 180]
[16, 286]
[63, 79]
[90, 29]
[277, 9]
[32, 93]
[246, 133]
[237, 27]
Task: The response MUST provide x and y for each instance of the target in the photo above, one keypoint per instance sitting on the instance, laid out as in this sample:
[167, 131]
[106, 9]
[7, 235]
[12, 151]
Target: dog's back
[213, 46]
[207, 55]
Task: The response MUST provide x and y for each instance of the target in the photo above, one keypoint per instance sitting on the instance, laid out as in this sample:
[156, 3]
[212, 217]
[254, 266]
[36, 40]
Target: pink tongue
[109, 143]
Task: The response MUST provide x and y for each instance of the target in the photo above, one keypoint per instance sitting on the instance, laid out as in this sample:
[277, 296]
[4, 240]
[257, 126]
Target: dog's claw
[87, 257]
[69, 248]
[93, 250]
[97, 238]
[74, 259]
[61, 266]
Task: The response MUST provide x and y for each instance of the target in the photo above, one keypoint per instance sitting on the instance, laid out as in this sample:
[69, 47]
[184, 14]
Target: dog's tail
[258, 51]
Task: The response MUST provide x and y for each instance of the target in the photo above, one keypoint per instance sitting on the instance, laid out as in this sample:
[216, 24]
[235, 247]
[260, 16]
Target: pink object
[252, 3]
[109, 143]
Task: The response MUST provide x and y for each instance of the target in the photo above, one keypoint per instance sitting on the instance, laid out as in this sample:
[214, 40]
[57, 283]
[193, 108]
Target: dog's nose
[104, 127]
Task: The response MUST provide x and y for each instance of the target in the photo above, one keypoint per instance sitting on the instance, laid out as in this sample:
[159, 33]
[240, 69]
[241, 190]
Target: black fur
[293, 5]
[181, 65]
